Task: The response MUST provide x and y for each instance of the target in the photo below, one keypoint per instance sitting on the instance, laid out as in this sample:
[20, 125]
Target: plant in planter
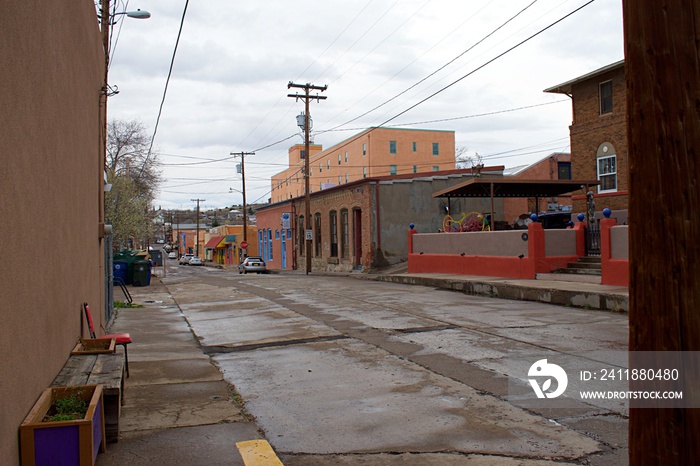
[94, 346]
[65, 426]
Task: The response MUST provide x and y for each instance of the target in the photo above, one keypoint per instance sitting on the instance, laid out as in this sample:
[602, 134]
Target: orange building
[371, 153]
[223, 244]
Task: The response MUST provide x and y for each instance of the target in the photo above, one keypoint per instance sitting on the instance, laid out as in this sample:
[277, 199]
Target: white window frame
[610, 174]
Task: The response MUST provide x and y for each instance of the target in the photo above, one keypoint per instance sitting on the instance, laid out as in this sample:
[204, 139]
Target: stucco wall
[482, 243]
[560, 243]
[51, 72]
[403, 202]
[619, 238]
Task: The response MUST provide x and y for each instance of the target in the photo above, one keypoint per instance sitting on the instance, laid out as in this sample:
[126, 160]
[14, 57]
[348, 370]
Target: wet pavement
[335, 370]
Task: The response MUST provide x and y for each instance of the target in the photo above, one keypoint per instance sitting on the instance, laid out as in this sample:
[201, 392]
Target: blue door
[284, 250]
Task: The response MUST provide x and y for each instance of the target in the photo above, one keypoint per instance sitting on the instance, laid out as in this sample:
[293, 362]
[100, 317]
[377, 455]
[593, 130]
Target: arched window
[606, 168]
[333, 224]
[317, 228]
[301, 235]
[344, 234]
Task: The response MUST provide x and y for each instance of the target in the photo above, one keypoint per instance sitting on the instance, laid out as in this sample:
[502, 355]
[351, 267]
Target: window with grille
[607, 173]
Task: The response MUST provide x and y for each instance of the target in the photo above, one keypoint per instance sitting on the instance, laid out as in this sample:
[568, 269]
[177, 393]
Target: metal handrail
[119, 282]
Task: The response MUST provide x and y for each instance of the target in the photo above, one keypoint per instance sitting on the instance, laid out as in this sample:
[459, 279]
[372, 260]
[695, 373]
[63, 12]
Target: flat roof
[479, 187]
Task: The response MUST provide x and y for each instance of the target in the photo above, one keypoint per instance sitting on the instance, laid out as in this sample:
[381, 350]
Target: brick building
[599, 135]
[371, 153]
[556, 166]
[362, 224]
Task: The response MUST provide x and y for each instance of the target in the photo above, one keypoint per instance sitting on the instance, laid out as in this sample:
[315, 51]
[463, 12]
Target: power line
[165, 91]
[442, 67]
[488, 62]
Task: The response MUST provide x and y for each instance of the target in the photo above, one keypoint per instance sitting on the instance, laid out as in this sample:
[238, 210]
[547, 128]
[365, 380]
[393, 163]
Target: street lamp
[138, 14]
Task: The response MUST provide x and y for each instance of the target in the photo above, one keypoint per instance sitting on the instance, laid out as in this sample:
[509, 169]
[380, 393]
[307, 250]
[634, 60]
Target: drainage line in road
[209, 350]
[426, 329]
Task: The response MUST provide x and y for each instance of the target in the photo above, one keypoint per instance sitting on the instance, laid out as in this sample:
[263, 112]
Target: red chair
[121, 338]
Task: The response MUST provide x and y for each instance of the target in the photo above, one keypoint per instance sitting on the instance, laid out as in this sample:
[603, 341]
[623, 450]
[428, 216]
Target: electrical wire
[442, 67]
[165, 91]
[488, 62]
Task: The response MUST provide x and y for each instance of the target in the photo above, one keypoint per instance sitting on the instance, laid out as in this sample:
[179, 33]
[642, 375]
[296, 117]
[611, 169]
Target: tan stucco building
[371, 153]
[52, 151]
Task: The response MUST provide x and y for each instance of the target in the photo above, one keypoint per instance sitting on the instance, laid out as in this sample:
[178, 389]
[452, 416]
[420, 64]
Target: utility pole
[196, 239]
[663, 130]
[245, 206]
[307, 88]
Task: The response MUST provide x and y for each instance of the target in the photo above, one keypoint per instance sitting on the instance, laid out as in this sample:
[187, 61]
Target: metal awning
[479, 187]
[213, 242]
[499, 187]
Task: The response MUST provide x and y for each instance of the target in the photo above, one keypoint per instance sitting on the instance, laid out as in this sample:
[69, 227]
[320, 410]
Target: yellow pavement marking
[258, 453]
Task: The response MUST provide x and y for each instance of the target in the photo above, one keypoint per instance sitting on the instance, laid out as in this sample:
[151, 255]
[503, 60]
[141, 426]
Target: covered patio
[493, 188]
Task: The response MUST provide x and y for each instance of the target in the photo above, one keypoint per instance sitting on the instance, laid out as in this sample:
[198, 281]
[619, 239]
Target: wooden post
[663, 129]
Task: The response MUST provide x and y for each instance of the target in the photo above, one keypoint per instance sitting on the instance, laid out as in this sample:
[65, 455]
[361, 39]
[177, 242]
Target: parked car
[172, 255]
[554, 220]
[185, 259]
[196, 260]
[252, 264]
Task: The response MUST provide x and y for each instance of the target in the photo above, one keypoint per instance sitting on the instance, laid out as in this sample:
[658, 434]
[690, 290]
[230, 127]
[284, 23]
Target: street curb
[582, 299]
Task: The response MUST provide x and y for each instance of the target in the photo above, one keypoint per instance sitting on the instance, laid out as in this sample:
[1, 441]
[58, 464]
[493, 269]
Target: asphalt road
[340, 370]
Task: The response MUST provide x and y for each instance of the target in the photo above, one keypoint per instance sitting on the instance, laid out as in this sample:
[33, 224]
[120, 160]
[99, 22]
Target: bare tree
[134, 175]
[464, 160]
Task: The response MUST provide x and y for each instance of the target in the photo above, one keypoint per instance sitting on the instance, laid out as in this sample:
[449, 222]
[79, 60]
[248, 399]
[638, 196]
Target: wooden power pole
[245, 205]
[307, 195]
[196, 239]
[663, 130]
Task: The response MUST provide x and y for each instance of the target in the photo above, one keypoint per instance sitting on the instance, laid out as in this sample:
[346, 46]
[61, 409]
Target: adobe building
[362, 224]
[374, 152]
[52, 67]
[599, 136]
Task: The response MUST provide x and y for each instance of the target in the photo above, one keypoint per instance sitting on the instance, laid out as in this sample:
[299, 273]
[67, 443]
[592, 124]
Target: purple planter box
[64, 442]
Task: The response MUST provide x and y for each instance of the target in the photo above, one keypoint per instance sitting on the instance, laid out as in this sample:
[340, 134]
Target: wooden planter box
[63, 442]
[94, 346]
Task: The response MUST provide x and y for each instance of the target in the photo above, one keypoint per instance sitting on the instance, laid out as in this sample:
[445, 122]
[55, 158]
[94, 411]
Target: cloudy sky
[432, 64]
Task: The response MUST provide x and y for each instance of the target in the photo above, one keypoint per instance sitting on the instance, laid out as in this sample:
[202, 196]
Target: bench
[103, 369]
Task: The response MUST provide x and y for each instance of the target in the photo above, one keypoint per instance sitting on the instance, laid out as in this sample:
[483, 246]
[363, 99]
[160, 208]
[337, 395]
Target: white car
[196, 260]
[185, 259]
[252, 264]
[172, 255]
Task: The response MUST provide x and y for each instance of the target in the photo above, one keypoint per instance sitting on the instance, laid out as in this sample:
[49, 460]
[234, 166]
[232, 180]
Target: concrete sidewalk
[562, 293]
[177, 407]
